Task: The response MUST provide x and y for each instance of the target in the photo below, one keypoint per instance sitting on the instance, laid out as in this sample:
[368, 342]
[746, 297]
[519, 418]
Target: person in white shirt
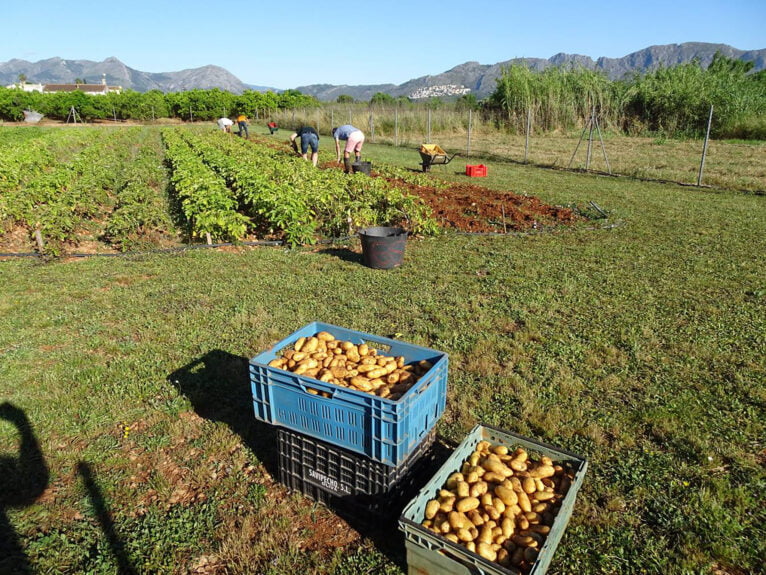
[225, 124]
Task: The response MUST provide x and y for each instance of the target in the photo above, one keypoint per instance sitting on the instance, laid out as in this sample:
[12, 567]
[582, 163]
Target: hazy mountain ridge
[479, 78]
[60, 71]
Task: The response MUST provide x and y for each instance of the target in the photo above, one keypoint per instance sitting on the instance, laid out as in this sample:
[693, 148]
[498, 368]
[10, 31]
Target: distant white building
[26, 87]
[93, 89]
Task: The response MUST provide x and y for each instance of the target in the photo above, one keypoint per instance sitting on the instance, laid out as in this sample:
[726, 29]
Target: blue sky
[286, 44]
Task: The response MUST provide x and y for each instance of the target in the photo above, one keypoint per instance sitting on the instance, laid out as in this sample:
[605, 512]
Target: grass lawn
[127, 439]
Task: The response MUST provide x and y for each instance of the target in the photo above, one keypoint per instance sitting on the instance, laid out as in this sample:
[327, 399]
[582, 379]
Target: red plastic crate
[478, 171]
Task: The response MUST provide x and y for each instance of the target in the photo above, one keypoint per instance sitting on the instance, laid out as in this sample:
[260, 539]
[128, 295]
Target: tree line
[191, 105]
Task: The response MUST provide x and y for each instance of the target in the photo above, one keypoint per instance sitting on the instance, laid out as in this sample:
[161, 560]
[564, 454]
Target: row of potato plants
[42, 193]
[141, 215]
[285, 195]
[62, 185]
[209, 206]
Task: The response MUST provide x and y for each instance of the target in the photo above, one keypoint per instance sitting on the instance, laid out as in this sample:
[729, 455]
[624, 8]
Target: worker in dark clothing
[309, 138]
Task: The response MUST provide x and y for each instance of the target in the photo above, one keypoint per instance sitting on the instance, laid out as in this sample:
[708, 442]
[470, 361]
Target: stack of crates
[356, 452]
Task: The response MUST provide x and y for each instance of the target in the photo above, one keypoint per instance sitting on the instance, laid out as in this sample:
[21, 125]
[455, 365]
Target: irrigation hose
[281, 243]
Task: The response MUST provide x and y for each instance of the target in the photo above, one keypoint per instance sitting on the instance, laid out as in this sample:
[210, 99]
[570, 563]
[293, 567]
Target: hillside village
[439, 91]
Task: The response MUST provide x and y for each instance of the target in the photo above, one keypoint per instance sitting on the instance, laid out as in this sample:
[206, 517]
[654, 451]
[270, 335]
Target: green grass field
[128, 440]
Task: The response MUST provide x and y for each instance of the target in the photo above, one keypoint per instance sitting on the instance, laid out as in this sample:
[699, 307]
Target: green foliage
[467, 102]
[381, 98]
[345, 99]
[130, 105]
[558, 97]
[672, 100]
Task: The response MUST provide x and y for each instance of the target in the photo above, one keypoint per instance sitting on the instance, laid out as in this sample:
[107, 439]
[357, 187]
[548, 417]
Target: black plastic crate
[350, 483]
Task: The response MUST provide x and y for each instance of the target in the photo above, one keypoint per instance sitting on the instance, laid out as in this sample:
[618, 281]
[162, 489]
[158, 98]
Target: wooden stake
[505, 229]
[704, 147]
[39, 238]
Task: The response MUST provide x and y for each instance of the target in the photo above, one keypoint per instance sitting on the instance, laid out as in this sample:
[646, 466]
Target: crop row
[284, 195]
[61, 188]
[209, 206]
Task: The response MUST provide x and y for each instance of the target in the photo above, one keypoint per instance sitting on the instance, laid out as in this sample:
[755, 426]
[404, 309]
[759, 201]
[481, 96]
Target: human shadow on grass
[23, 478]
[381, 524]
[218, 387]
[104, 517]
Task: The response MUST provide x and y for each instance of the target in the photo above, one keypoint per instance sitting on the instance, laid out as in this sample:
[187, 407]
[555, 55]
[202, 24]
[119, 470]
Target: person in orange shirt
[242, 123]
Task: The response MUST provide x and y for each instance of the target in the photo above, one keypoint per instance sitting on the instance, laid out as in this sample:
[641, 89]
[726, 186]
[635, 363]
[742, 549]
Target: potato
[479, 488]
[476, 518]
[458, 520]
[299, 343]
[467, 504]
[524, 502]
[542, 471]
[375, 373]
[310, 345]
[543, 495]
[485, 534]
[361, 382]
[507, 496]
[464, 535]
[496, 466]
[453, 480]
[528, 485]
[432, 507]
[492, 477]
[486, 551]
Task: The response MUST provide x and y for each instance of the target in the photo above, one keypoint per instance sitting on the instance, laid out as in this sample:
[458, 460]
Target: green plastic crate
[429, 553]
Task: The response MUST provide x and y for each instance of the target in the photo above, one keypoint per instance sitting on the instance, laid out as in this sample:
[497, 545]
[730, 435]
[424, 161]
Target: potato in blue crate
[370, 394]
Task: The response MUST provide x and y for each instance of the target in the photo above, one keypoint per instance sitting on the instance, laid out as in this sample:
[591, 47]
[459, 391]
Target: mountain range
[476, 77]
[59, 71]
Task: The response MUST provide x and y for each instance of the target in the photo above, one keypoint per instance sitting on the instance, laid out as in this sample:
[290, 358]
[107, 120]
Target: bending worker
[354, 142]
[225, 124]
[309, 137]
[242, 125]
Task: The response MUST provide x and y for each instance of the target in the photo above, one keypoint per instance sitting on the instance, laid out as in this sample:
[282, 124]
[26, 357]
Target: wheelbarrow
[431, 154]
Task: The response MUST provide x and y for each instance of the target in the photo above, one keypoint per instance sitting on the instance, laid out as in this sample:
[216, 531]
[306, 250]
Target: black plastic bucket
[363, 167]
[383, 247]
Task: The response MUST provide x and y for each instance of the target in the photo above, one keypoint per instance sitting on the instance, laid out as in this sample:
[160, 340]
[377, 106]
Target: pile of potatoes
[359, 367]
[500, 505]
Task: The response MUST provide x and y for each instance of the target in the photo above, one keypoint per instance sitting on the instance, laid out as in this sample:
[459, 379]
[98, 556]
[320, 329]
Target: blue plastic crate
[432, 554]
[381, 429]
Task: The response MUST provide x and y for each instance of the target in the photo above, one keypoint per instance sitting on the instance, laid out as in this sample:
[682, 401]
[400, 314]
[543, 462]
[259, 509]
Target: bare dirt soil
[467, 207]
